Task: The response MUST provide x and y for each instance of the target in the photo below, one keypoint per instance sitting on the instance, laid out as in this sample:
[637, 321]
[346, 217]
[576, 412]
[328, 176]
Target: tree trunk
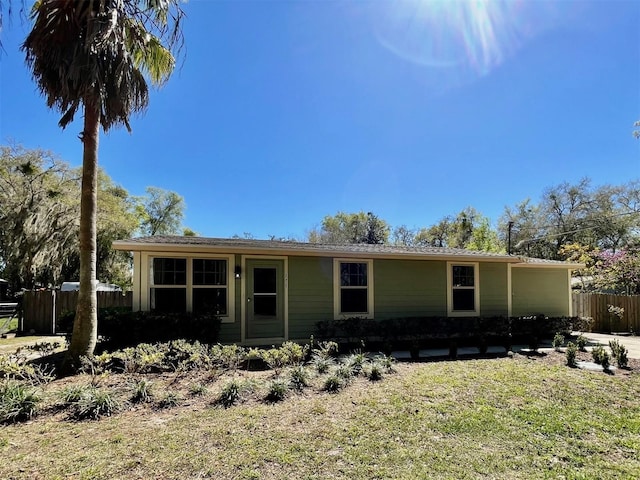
[85, 326]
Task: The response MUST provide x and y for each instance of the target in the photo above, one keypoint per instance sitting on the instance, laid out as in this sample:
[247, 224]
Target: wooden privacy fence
[41, 310]
[596, 306]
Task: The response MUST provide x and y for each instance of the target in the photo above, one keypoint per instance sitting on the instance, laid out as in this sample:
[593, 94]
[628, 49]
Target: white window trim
[337, 315]
[230, 316]
[476, 286]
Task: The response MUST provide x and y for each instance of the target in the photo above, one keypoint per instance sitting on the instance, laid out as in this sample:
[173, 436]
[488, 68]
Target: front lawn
[492, 418]
[9, 345]
[8, 324]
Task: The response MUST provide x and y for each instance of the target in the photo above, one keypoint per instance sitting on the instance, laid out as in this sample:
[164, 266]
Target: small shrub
[387, 362]
[96, 403]
[374, 372]
[581, 342]
[322, 364]
[453, 350]
[582, 324]
[169, 400]
[355, 362]
[299, 377]
[558, 341]
[622, 359]
[275, 358]
[185, 355]
[571, 353]
[614, 346]
[605, 361]
[100, 363]
[230, 393]
[277, 390]
[598, 353]
[344, 371]
[325, 329]
[326, 350]
[143, 358]
[44, 348]
[142, 391]
[483, 344]
[353, 329]
[73, 393]
[228, 356]
[290, 353]
[619, 352]
[253, 359]
[16, 367]
[293, 352]
[333, 383]
[17, 402]
[197, 389]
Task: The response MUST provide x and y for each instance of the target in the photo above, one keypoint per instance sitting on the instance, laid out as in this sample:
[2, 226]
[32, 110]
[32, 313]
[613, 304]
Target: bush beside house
[443, 331]
[120, 327]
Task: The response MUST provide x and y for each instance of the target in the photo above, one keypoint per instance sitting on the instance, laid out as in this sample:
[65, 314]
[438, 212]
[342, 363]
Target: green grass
[9, 345]
[505, 418]
[7, 325]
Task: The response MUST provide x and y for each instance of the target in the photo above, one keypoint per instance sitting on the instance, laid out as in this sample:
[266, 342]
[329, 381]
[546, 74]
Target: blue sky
[283, 112]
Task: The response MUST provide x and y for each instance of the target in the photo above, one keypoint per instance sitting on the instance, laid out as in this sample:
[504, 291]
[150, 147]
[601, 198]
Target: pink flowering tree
[618, 271]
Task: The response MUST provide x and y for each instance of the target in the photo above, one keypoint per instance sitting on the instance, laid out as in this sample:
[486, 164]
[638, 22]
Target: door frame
[243, 300]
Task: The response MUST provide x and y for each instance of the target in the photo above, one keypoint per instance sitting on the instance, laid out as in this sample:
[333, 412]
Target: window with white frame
[169, 285]
[463, 289]
[209, 286]
[353, 288]
[189, 284]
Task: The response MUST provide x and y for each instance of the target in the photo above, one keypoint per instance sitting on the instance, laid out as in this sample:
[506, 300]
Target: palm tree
[98, 54]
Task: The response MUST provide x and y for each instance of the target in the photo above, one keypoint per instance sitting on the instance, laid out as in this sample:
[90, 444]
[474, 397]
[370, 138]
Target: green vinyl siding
[310, 294]
[231, 332]
[493, 289]
[540, 290]
[408, 288]
[401, 288]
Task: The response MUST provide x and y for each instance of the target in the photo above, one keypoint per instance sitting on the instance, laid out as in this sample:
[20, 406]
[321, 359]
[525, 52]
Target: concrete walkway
[631, 342]
[594, 339]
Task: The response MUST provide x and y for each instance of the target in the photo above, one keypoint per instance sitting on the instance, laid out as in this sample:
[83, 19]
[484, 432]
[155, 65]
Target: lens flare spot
[464, 38]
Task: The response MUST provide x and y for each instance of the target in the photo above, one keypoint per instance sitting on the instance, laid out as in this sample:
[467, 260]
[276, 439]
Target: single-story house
[271, 291]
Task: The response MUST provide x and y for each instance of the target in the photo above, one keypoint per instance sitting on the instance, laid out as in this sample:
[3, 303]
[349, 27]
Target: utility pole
[510, 226]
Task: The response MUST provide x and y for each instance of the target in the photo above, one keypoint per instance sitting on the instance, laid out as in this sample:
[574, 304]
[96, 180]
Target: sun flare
[465, 36]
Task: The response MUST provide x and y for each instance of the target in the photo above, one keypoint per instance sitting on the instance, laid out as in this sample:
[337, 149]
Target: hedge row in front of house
[394, 332]
[120, 327]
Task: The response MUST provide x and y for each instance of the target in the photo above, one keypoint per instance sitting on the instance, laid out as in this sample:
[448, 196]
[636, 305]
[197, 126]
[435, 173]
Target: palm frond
[149, 54]
[100, 52]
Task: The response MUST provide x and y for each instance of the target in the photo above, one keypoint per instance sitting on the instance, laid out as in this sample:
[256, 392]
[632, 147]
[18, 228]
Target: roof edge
[265, 247]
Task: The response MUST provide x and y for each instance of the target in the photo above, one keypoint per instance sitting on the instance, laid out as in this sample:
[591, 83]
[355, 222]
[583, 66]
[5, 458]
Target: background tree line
[595, 225]
[468, 229]
[39, 211]
[39, 220]
[605, 217]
